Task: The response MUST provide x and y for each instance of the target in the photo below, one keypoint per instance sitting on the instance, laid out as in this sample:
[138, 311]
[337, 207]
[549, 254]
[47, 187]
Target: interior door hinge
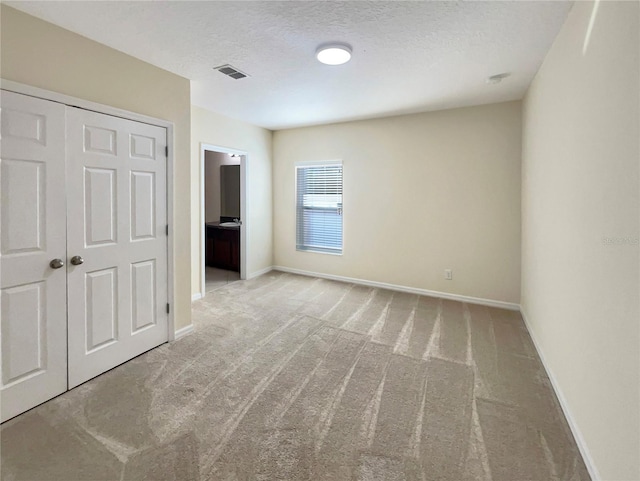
[166, 150]
[167, 229]
[168, 308]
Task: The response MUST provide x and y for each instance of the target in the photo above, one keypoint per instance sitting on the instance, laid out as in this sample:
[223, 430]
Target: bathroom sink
[229, 224]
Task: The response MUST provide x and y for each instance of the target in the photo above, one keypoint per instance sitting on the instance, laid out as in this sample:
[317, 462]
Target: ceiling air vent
[230, 71]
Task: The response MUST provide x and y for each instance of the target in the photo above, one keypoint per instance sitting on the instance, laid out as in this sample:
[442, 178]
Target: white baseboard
[412, 290]
[260, 272]
[197, 296]
[183, 331]
[577, 434]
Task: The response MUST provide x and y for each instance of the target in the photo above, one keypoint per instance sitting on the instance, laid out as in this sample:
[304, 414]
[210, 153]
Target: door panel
[100, 206]
[24, 312]
[22, 181]
[143, 212]
[33, 350]
[116, 175]
[143, 295]
[101, 321]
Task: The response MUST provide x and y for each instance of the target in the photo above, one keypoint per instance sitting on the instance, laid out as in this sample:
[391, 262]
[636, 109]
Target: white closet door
[33, 303]
[117, 216]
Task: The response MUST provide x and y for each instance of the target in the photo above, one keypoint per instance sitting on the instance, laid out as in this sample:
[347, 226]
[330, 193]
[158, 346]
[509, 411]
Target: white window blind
[319, 208]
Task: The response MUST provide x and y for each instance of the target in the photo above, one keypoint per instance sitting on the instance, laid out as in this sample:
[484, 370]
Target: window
[319, 207]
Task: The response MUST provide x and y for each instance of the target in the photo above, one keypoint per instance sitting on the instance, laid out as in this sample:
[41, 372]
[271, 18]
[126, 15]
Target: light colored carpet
[295, 378]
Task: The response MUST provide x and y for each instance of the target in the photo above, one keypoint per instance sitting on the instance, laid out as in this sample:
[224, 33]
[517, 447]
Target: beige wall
[215, 129]
[580, 192]
[212, 186]
[40, 54]
[422, 193]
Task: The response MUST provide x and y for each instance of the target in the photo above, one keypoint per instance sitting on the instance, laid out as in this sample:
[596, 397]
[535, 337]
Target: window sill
[314, 251]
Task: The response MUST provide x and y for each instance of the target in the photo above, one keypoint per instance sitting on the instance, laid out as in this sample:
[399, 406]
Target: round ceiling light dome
[334, 54]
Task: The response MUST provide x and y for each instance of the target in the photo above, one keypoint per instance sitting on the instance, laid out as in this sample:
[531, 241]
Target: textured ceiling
[407, 56]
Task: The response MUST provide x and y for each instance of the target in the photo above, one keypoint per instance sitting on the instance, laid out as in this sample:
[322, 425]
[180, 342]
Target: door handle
[56, 264]
[77, 260]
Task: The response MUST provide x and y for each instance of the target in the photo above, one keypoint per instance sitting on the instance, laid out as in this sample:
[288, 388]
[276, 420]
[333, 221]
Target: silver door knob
[56, 264]
[77, 260]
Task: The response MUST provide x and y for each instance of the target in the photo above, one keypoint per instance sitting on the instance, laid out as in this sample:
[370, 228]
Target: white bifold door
[83, 244]
[116, 225]
[33, 302]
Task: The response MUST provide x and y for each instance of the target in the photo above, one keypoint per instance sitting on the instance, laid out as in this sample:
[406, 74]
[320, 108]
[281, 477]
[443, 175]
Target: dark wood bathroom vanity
[222, 248]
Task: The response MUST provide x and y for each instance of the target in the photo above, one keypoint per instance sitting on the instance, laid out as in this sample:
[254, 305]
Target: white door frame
[125, 114]
[244, 159]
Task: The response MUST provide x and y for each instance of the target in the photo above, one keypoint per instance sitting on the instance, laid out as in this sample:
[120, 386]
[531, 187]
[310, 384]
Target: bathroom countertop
[218, 226]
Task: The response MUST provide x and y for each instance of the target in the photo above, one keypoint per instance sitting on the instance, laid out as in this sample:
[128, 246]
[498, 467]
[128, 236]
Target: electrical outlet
[448, 274]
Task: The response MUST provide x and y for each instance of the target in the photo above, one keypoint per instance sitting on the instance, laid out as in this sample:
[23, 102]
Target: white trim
[78, 102]
[317, 163]
[197, 296]
[244, 159]
[183, 331]
[411, 290]
[314, 251]
[260, 272]
[171, 320]
[125, 114]
[573, 425]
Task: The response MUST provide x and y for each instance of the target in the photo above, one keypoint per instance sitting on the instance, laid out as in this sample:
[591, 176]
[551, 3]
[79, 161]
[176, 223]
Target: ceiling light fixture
[496, 79]
[334, 53]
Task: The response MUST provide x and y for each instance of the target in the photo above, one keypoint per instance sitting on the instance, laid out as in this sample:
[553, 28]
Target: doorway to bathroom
[223, 217]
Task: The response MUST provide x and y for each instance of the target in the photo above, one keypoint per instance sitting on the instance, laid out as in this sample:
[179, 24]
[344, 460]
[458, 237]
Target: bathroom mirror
[230, 191]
